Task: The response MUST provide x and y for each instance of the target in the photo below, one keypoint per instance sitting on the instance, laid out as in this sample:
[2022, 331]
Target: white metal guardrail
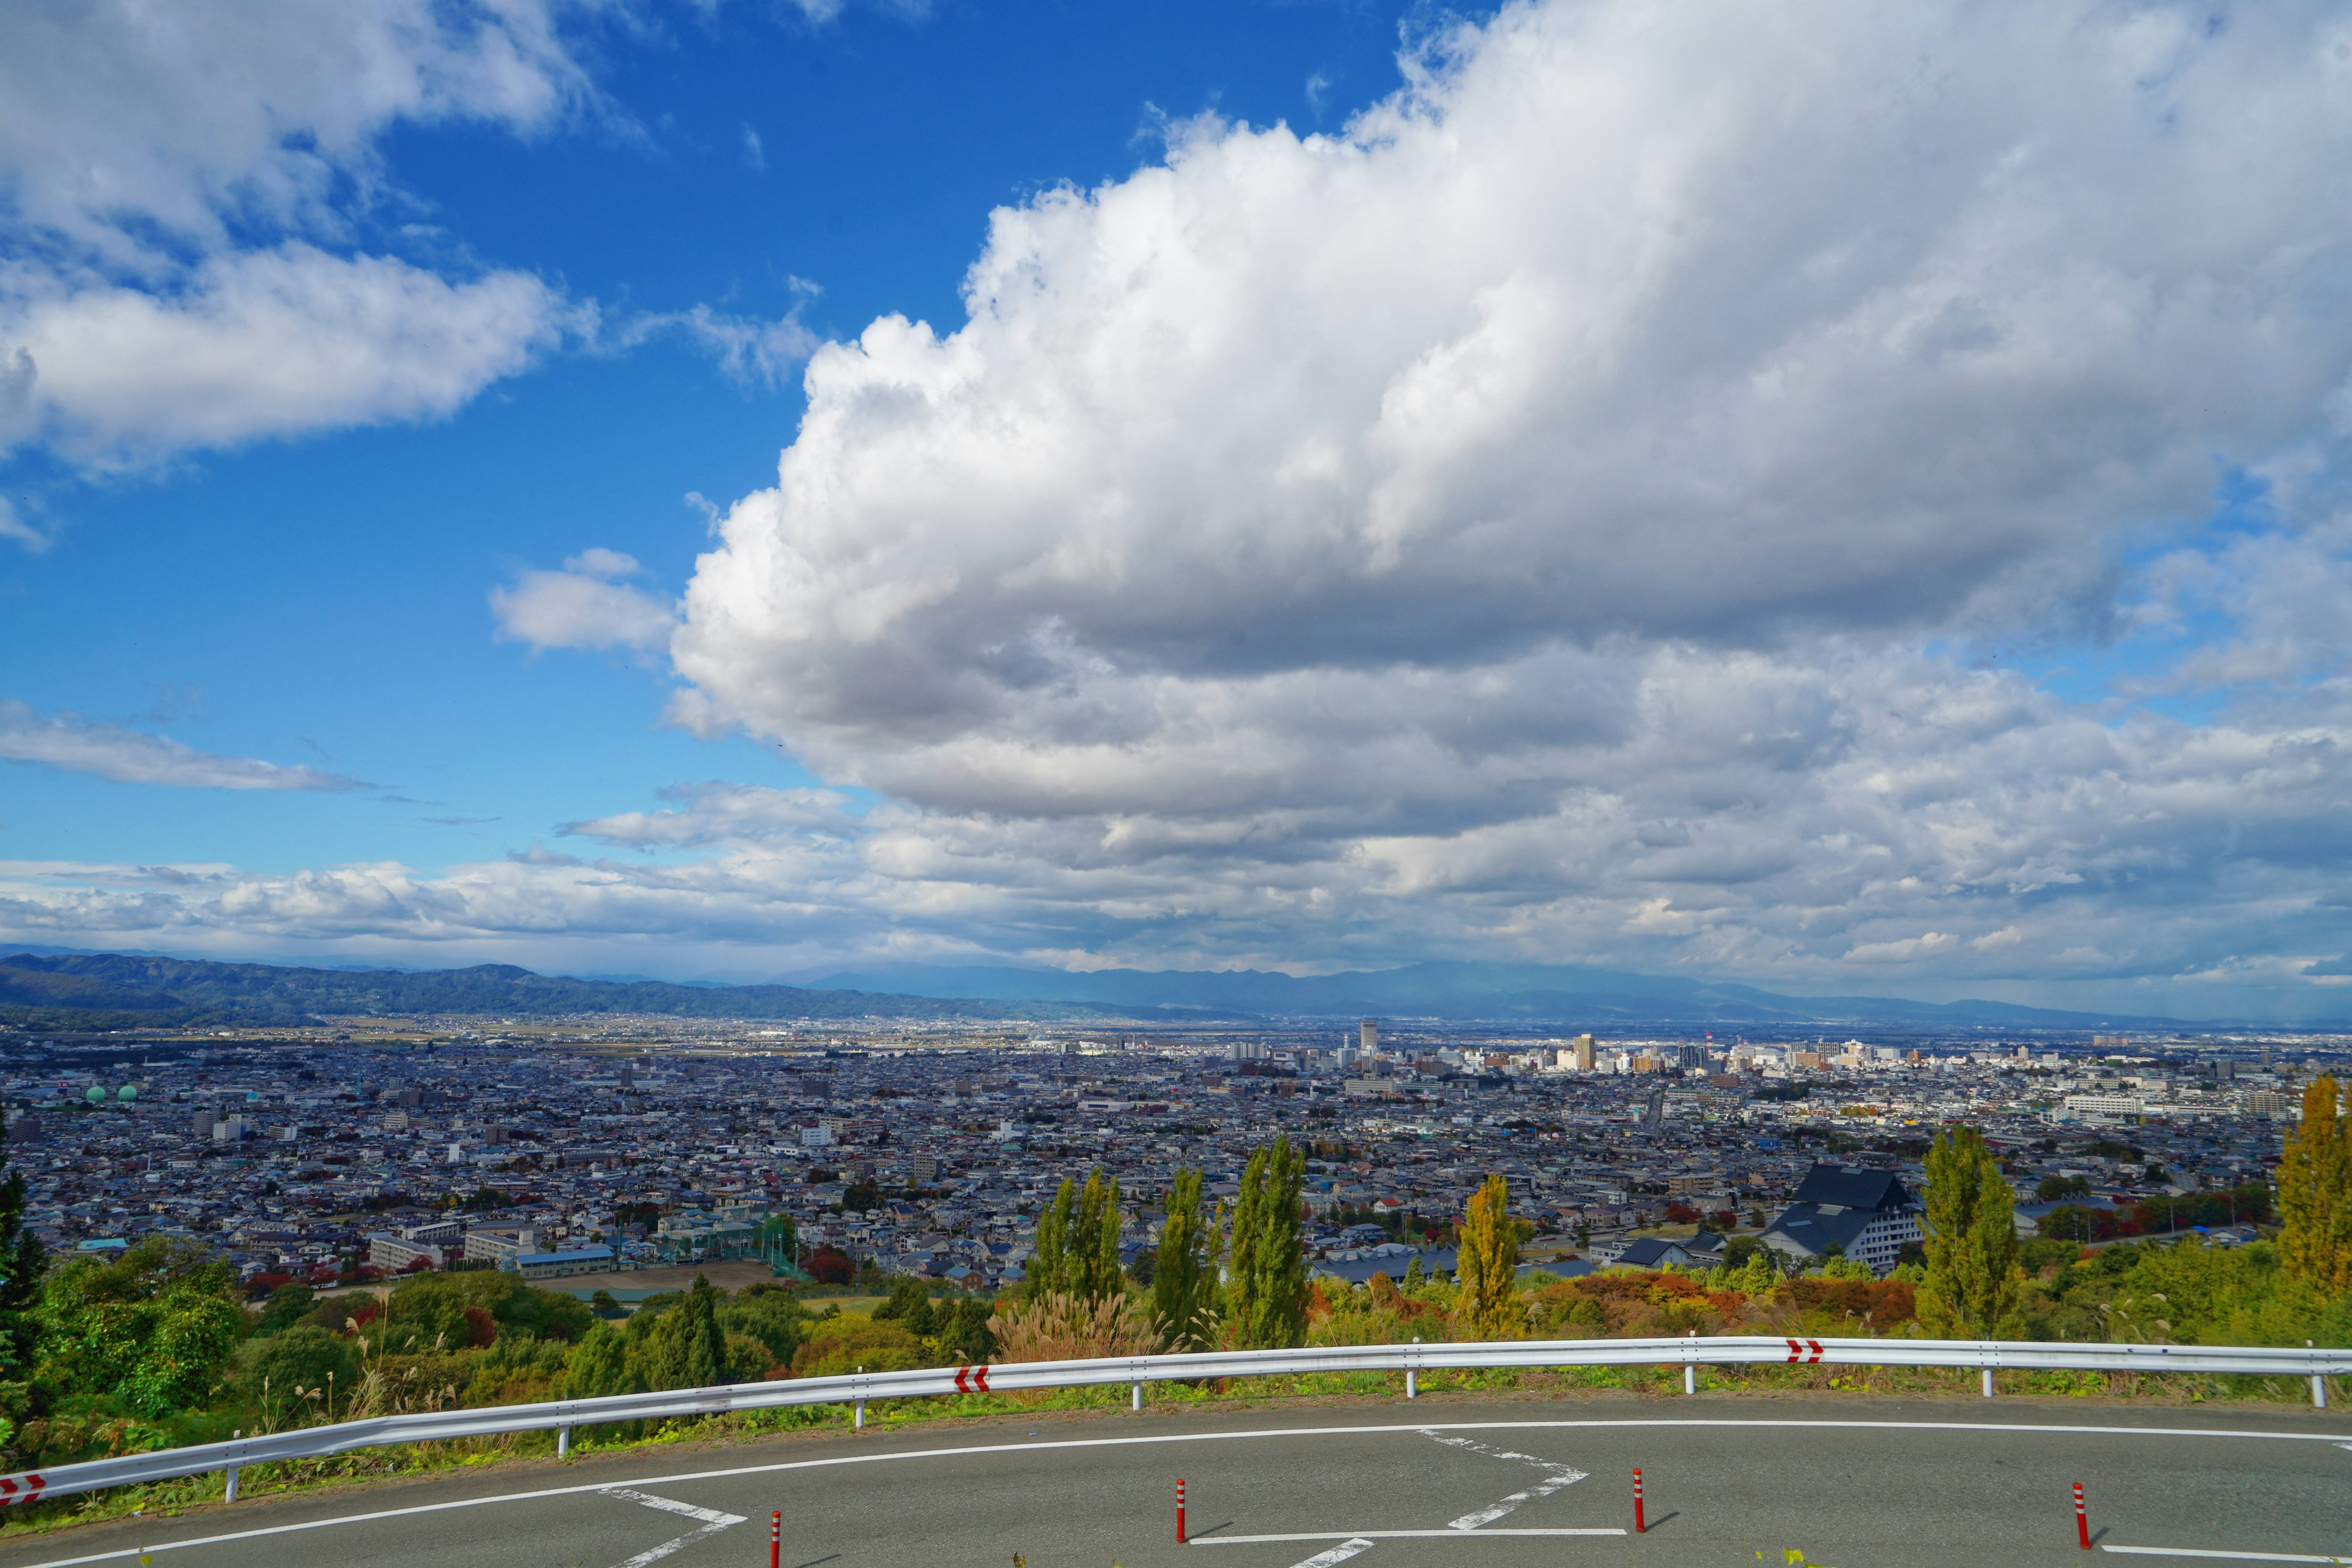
[1690, 1354]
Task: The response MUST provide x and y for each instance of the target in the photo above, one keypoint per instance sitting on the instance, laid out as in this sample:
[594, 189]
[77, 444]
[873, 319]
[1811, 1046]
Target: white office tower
[1368, 1037]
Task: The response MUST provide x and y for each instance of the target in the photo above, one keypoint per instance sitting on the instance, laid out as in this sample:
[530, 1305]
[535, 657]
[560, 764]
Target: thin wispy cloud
[75, 744]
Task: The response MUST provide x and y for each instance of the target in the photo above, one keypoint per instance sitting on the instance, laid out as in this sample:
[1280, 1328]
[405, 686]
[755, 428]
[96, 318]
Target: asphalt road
[1881, 1484]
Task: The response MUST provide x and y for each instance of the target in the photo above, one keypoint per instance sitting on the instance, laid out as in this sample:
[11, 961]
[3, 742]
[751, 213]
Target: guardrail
[855, 1389]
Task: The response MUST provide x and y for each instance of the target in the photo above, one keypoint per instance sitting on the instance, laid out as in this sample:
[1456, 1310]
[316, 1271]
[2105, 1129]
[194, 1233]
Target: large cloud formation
[1525, 517]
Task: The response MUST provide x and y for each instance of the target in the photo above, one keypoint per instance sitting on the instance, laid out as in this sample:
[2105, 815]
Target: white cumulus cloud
[584, 605]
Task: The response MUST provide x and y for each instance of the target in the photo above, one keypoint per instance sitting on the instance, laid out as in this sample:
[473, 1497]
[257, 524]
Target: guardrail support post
[1690, 1366]
[1138, 1404]
[230, 1494]
[1412, 1389]
[861, 1402]
[564, 1442]
[2318, 1384]
[1987, 1383]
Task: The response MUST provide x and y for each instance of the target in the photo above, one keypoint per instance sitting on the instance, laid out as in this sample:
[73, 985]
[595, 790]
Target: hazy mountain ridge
[98, 991]
[120, 991]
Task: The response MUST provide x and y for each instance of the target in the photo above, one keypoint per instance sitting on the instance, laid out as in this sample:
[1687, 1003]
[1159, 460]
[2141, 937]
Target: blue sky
[1556, 483]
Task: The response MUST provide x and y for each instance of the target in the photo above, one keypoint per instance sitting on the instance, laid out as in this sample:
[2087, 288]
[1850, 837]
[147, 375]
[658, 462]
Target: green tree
[2056, 1187]
[1486, 1263]
[1973, 1282]
[23, 1262]
[2315, 1188]
[1049, 1269]
[1183, 1290]
[153, 1327]
[687, 1348]
[1094, 1270]
[1265, 1277]
[289, 1305]
[769, 1315]
[600, 1364]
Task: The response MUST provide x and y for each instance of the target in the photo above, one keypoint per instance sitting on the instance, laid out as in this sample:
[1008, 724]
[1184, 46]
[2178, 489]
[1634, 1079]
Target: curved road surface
[1879, 1484]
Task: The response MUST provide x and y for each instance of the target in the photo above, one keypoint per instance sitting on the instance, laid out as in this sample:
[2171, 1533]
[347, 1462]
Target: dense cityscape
[353, 1154]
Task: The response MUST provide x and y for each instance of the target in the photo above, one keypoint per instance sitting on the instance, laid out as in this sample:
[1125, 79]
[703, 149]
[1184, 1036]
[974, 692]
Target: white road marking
[1388, 1535]
[980, 1448]
[1339, 1553]
[2234, 1556]
[713, 1521]
[707, 1515]
[1560, 1476]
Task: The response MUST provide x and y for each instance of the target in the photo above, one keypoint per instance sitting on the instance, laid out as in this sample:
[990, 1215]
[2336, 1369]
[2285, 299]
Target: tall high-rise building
[1369, 1035]
[1584, 1053]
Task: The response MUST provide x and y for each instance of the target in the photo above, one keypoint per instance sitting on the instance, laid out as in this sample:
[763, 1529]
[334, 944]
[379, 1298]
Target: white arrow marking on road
[713, 1521]
[1339, 1553]
[1561, 1476]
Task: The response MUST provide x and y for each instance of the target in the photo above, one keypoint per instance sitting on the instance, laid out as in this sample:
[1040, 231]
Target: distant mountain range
[118, 991]
[1497, 993]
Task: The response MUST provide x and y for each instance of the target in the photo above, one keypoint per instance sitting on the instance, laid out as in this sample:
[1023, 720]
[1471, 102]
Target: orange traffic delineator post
[2082, 1518]
[1180, 1510]
[1638, 1526]
[776, 1539]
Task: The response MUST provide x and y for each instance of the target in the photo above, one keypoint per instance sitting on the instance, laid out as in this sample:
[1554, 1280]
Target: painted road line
[1541, 1490]
[1560, 1476]
[2233, 1556]
[970, 1450]
[1339, 1553]
[707, 1515]
[1408, 1535]
[713, 1520]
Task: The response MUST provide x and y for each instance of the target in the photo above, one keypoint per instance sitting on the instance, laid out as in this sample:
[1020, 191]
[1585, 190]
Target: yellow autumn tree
[2315, 1188]
[1486, 1263]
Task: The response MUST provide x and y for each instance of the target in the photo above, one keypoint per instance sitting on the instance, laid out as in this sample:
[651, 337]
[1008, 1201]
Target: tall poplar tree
[1183, 1290]
[1049, 1269]
[1265, 1285]
[2315, 1188]
[1973, 1281]
[1094, 1270]
[1487, 1262]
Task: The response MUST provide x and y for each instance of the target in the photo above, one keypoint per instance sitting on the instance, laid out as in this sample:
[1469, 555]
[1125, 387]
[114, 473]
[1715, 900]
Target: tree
[687, 1348]
[1183, 1287]
[1973, 1282]
[2056, 1187]
[1265, 1276]
[1094, 1270]
[1487, 1262]
[2314, 1189]
[23, 1262]
[153, 1327]
[1049, 1257]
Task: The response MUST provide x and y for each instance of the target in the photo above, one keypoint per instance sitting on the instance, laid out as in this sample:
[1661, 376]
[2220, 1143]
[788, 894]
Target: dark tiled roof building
[1865, 1214]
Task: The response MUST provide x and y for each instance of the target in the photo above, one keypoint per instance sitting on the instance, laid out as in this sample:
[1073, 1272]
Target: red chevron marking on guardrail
[32, 1491]
[1797, 1350]
[972, 1380]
